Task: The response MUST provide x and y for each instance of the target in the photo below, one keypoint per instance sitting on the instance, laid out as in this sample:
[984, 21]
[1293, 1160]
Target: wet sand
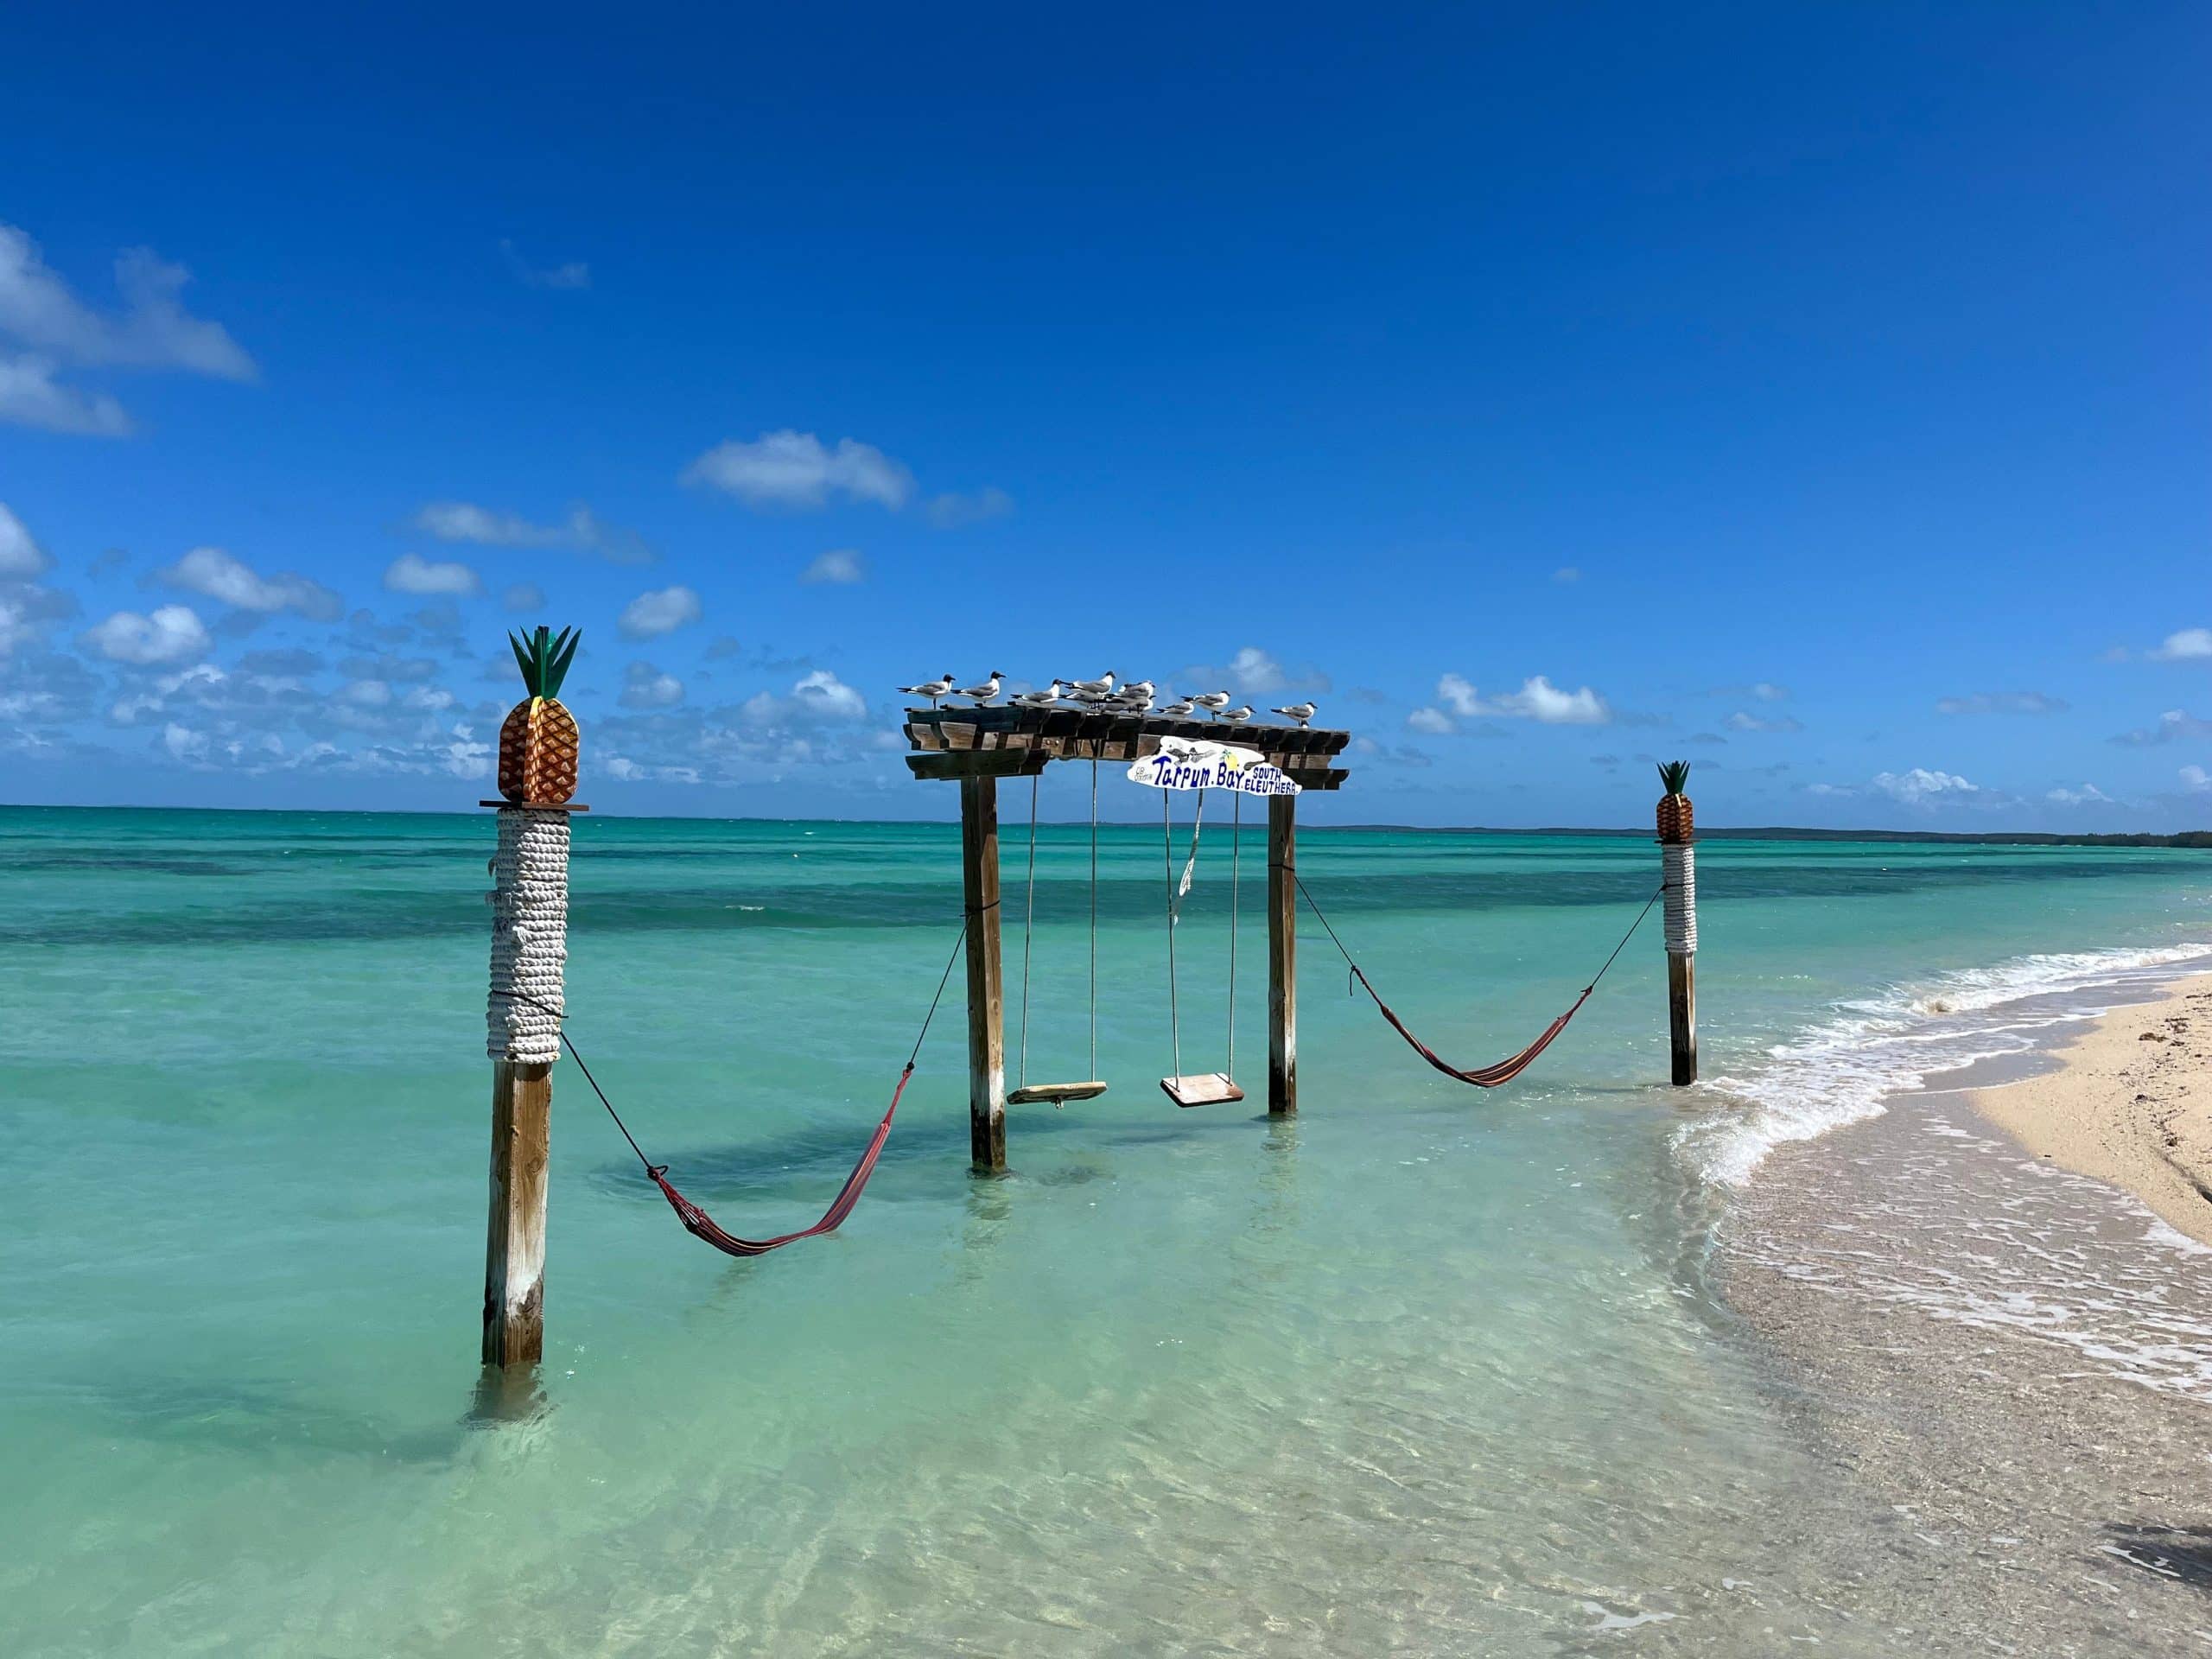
[2012, 1358]
[2130, 1103]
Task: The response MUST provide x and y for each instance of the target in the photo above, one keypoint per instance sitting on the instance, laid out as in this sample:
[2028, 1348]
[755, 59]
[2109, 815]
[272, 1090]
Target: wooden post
[529, 923]
[979, 878]
[1681, 1014]
[1282, 955]
[514, 1244]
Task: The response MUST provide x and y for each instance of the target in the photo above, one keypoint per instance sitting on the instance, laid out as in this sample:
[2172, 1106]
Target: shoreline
[2126, 1105]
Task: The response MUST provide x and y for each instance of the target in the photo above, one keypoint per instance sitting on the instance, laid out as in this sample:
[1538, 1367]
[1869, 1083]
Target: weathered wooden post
[1677, 831]
[979, 879]
[538, 750]
[1282, 955]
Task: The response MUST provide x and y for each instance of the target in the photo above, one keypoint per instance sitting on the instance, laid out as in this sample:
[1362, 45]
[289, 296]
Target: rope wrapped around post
[529, 936]
[1678, 861]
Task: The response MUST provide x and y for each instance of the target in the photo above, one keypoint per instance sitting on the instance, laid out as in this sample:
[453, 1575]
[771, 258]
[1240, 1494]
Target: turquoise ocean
[1424, 1370]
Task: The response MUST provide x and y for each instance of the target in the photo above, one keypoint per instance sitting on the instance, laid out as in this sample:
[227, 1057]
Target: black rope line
[651, 1168]
[1366, 985]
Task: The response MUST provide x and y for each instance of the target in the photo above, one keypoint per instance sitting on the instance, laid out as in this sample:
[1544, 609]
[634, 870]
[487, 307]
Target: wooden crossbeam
[1019, 742]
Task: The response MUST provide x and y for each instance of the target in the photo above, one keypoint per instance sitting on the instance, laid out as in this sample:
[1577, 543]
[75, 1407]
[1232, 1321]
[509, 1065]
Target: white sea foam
[1842, 1070]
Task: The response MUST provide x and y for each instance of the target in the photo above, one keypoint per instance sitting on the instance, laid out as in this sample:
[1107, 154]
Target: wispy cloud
[1920, 787]
[2087, 795]
[573, 276]
[951, 511]
[645, 686]
[410, 573]
[21, 557]
[2002, 702]
[841, 567]
[1742, 721]
[662, 611]
[29, 396]
[151, 331]
[2175, 725]
[583, 530]
[795, 470]
[214, 574]
[1538, 699]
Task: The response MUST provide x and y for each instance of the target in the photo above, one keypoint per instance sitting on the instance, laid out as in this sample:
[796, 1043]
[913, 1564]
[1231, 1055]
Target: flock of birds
[1103, 696]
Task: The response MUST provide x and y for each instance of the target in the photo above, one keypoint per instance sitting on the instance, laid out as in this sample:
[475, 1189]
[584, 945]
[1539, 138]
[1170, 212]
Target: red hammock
[1483, 1077]
[700, 1225]
[1501, 1072]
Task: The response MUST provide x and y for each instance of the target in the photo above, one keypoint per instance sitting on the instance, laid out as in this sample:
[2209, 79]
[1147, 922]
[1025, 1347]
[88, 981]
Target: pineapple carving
[538, 742]
[1676, 826]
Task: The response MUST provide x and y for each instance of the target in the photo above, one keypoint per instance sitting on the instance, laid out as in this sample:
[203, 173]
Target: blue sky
[1817, 392]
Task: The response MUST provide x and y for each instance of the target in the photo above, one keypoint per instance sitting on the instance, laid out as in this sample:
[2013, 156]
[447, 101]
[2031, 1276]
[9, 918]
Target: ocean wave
[1842, 1070]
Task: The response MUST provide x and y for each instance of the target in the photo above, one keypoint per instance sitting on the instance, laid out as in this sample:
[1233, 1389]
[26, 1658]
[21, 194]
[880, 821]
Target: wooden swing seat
[1057, 1094]
[1202, 1089]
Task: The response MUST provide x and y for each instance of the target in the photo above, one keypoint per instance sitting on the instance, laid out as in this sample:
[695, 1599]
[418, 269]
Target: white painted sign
[1184, 764]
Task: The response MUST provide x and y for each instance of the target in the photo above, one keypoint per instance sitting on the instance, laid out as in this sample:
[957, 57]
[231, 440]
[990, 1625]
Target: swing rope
[697, 1221]
[1235, 860]
[1502, 1071]
[1028, 932]
[1167, 849]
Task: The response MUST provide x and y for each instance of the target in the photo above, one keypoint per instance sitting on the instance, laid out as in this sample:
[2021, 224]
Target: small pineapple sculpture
[1676, 827]
[538, 742]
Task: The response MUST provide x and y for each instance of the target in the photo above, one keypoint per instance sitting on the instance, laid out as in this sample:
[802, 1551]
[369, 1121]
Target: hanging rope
[1236, 863]
[1167, 849]
[697, 1221]
[1094, 918]
[1028, 930]
[1505, 1071]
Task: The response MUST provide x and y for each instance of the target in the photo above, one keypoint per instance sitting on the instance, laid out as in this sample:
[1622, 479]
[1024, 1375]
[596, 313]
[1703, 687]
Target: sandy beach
[2128, 1105]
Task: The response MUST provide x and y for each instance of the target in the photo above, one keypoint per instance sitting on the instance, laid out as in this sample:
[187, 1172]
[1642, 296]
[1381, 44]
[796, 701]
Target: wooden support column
[1282, 955]
[514, 1244]
[979, 878]
[1681, 1014]
[522, 1013]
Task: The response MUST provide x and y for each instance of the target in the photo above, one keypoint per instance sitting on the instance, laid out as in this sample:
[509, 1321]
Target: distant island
[1990, 838]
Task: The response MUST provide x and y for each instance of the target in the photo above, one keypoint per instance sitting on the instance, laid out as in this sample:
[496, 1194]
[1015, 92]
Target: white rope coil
[1682, 898]
[530, 935]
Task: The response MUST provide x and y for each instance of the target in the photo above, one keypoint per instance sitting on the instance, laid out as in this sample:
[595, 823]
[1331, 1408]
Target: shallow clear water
[1426, 1370]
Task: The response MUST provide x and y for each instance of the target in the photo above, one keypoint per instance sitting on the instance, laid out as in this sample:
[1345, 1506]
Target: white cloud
[839, 567]
[1740, 722]
[664, 610]
[2086, 795]
[465, 521]
[797, 469]
[30, 397]
[2191, 644]
[818, 698]
[2195, 780]
[1254, 673]
[181, 743]
[152, 331]
[951, 511]
[21, 556]
[645, 686]
[217, 575]
[1767, 691]
[523, 596]
[1921, 785]
[173, 633]
[1434, 722]
[573, 276]
[1538, 699]
[1567, 572]
[410, 573]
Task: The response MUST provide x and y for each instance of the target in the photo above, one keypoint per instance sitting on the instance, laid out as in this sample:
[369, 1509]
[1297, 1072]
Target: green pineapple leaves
[1675, 774]
[544, 659]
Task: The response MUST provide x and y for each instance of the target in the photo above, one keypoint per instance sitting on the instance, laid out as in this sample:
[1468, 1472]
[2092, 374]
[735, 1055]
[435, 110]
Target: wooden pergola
[978, 747]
